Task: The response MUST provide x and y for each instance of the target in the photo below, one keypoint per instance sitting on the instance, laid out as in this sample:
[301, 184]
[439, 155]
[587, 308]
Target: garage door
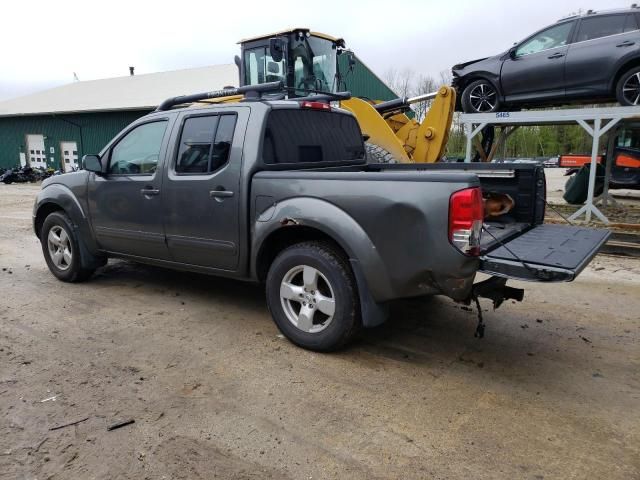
[69, 156]
[35, 151]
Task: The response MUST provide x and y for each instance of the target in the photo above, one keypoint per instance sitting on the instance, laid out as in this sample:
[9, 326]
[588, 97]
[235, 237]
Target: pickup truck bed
[518, 244]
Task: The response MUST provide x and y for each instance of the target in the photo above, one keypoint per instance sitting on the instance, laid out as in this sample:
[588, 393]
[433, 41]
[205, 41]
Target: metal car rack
[595, 121]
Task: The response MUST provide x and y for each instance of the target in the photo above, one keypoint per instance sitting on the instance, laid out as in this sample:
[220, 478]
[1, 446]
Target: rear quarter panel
[394, 223]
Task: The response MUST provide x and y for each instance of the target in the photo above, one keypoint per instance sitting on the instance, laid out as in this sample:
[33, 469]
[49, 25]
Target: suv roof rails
[251, 92]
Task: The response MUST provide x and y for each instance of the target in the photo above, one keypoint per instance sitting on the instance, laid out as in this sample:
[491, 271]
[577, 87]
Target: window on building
[137, 153]
[66, 152]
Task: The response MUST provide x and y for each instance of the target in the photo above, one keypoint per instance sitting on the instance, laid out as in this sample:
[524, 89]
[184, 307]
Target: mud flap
[546, 253]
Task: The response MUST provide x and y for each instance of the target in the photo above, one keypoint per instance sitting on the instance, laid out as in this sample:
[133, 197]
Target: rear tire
[480, 97]
[61, 249]
[312, 296]
[628, 88]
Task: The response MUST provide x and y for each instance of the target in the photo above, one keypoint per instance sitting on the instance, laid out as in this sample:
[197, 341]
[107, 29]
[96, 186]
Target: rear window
[603, 26]
[310, 137]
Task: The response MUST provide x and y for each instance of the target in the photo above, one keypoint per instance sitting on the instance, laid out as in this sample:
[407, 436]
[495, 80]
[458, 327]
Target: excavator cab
[305, 61]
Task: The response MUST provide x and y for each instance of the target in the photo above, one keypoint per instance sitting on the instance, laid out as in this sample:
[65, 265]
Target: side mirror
[512, 52]
[92, 163]
[276, 49]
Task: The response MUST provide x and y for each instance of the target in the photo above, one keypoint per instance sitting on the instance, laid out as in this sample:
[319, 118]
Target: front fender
[332, 221]
[64, 198]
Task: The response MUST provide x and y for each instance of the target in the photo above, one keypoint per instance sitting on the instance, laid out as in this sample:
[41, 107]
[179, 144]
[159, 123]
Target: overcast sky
[42, 43]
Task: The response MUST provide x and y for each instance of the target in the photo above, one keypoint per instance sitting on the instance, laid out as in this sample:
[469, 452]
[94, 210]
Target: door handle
[556, 55]
[147, 191]
[626, 44]
[220, 193]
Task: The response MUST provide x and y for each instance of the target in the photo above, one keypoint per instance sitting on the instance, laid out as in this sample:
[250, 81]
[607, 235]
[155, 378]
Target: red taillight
[466, 214]
[315, 105]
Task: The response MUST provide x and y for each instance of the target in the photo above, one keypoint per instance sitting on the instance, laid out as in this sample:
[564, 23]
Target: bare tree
[401, 82]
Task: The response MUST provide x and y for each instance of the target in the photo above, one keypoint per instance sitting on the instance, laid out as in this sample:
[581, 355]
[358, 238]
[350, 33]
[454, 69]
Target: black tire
[71, 271]
[377, 154]
[337, 330]
[628, 88]
[486, 98]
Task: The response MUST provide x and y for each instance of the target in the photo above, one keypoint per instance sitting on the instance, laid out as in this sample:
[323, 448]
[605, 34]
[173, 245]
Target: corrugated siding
[97, 130]
[362, 82]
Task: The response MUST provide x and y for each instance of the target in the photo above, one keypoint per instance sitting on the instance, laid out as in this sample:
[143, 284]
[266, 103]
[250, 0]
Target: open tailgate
[546, 253]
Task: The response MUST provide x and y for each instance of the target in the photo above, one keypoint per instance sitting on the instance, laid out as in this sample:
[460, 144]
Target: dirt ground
[551, 392]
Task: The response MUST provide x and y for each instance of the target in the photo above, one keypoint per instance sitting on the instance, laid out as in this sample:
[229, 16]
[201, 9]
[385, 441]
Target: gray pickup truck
[280, 192]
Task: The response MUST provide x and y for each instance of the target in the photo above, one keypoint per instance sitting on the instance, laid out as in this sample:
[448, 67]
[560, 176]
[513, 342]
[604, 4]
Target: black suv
[594, 57]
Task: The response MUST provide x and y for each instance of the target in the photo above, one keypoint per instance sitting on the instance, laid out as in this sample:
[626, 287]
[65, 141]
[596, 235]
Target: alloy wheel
[483, 98]
[307, 299]
[631, 89]
[60, 250]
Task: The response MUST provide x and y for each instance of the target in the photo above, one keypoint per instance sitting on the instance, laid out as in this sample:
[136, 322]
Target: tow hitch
[494, 288]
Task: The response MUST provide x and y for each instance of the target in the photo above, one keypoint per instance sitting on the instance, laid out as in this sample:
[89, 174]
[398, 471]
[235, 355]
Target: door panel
[125, 204]
[537, 68]
[539, 75]
[592, 58]
[202, 200]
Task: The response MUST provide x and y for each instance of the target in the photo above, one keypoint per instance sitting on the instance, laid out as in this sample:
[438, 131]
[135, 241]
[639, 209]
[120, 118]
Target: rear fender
[336, 224]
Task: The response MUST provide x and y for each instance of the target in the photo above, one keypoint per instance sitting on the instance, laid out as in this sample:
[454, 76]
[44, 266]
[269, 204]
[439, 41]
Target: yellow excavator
[307, 63]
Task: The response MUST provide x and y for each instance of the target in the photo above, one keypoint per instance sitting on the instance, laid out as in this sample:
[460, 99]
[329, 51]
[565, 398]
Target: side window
[259, 67]
[556, 36]
[601, 26]
[139, 150]
[630, 23]
[205, 143]
[195, 144]
[223, 140]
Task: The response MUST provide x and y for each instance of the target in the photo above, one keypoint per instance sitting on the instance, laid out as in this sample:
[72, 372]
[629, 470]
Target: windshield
[314, 63]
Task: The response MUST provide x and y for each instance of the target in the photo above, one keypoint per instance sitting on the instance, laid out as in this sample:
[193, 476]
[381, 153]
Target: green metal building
[56, 127]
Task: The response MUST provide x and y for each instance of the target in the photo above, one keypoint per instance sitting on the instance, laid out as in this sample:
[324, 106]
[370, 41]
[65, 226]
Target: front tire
[480, 97]
[61, 249]
[312, 296]
[628, 88]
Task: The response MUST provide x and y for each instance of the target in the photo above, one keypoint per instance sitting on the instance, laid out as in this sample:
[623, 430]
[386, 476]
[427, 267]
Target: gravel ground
[551, 392]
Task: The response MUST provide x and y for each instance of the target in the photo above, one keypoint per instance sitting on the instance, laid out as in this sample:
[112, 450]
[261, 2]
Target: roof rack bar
[252, 89]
